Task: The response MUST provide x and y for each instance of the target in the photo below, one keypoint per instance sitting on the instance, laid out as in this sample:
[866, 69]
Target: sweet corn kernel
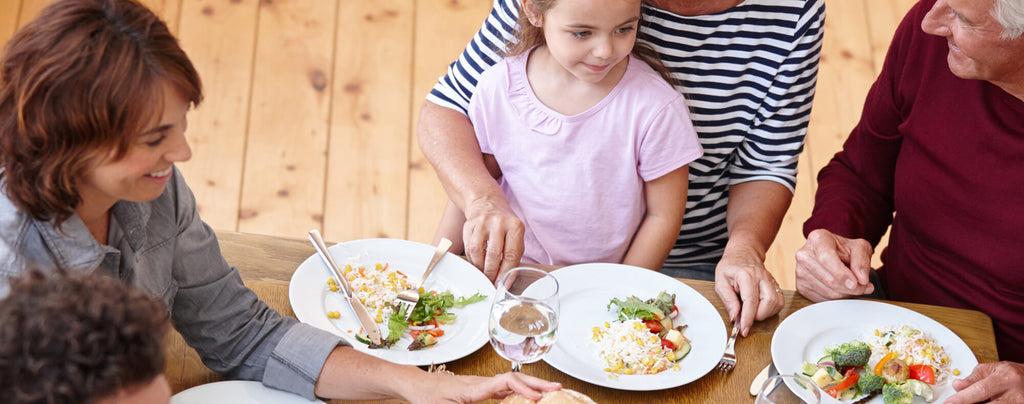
[671, 356]
[334, 287]
[627, 371]
[675, 367]
[331, 281]
[956, 372]
[606, 325]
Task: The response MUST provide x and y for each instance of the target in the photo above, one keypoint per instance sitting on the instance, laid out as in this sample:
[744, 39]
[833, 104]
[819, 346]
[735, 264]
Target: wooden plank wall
[310, 109]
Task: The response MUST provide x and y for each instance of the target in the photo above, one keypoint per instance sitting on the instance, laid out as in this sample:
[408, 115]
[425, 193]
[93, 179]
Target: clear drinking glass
[524, 315]
[788, 389]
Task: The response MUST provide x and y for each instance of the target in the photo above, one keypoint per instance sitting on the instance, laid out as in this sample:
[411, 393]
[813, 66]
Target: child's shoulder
[643, 78]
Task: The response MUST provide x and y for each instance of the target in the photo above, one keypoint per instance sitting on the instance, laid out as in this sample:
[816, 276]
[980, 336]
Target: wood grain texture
[217, 129]
[443, 28]
[267, 273]
[285, 159]
[311, 107]
[367, 169]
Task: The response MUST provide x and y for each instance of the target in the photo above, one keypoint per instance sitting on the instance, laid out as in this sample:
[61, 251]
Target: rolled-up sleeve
[234, 332]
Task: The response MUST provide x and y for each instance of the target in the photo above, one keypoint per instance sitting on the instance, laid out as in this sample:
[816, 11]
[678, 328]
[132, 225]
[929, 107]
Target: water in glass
[523, 323]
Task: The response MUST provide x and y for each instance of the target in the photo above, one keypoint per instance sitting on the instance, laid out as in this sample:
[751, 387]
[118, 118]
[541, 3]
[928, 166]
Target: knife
[357, 307]
[767, 372]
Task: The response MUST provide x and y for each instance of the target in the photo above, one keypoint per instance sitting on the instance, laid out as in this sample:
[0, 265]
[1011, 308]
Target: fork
[407, 299]
[728, 360]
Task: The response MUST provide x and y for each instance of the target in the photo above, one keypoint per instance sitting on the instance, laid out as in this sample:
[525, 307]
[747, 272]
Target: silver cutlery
[365, 320]
[728, 360]
[407, 299]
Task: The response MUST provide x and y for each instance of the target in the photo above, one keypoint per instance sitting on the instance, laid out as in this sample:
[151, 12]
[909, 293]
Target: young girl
[589, 144]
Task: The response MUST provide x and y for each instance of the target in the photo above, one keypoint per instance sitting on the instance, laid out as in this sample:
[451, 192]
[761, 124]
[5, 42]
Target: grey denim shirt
[163, 247]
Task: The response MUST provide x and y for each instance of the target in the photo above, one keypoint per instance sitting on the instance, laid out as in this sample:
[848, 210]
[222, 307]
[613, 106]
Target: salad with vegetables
[377, 287]
[643, 340]
[857, 370]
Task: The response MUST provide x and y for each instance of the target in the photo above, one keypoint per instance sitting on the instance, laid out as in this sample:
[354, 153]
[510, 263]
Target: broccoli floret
[869, 382]
[893, 394]
[853, 353]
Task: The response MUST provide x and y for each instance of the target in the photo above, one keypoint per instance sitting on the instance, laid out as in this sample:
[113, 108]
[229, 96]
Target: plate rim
[607, 270]
[243, 384]
[297, 294]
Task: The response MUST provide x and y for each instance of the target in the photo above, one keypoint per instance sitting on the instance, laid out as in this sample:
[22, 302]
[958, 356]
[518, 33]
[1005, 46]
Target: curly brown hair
[78, 82]
[75, 338]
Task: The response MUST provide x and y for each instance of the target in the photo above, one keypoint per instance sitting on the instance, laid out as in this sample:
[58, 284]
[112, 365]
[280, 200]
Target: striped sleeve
[771, 149]
[455, 88]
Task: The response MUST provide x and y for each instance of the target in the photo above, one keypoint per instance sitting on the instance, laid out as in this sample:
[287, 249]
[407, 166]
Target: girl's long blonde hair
[527, 35]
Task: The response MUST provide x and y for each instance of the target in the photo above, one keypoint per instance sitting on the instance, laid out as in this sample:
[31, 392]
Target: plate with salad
[673, 335]
[448, 323]
[863, 351]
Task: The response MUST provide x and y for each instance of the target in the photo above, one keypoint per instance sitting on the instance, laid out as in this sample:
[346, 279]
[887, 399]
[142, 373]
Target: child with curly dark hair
[81, 338]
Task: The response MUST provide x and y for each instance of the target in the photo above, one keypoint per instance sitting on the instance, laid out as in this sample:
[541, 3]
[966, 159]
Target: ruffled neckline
[534, 114]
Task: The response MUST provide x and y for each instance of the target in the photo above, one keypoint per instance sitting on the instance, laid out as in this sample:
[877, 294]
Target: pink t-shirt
[577, 182]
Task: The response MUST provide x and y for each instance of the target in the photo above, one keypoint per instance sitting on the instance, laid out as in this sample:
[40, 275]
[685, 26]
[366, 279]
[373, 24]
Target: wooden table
[266, 264]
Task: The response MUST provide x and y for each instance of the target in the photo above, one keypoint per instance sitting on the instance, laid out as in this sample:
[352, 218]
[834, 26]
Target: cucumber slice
[682, 350]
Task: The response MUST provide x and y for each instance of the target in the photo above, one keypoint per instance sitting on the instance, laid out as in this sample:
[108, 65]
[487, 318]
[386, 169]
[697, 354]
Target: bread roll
[563, 396]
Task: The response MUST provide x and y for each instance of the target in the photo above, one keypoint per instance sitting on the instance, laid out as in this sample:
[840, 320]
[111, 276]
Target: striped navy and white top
[748, 74]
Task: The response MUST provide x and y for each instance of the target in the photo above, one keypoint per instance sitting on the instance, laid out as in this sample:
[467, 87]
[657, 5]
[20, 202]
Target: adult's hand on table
[1000, 382]
[830, 267]
[747, 289]
[471, 389]
[493, 237]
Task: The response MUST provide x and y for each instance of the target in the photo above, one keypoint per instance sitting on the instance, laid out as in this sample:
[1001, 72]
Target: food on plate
[563, 396]
[377, 287]
[897, 362]
[642, 340]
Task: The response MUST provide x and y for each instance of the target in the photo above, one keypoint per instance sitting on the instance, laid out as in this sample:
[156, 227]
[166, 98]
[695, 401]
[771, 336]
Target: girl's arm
[666, 202]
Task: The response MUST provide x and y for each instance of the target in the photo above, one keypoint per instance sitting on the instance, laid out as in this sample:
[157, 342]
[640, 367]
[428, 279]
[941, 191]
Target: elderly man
[937, 155]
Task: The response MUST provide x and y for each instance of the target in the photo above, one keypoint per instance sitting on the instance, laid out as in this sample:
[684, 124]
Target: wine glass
[788, 389]
[524, 315]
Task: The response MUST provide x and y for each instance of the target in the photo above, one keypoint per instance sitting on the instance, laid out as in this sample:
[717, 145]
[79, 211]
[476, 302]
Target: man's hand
[830, 267]
[747, 289]
[493, 237]
[1000, 382]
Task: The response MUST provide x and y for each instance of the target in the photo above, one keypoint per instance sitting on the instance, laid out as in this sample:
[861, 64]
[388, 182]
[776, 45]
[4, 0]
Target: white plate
[237, 391]
[584, 293]
[804, 334]
[311, 299]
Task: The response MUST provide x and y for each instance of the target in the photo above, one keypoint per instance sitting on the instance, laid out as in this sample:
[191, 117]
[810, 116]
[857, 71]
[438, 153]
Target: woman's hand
[493, 237]
[830, 267]
[1000, 382]
[747, 289]
[471, 389]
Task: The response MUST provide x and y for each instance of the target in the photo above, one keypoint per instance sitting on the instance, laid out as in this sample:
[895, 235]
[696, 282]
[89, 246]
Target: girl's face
[141, 174]
[590, 37]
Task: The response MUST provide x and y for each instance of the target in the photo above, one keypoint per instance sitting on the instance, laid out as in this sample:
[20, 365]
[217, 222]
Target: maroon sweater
[941, 159]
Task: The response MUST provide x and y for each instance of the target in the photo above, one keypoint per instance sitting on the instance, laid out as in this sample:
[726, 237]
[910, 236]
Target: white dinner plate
[584, 293]
[804, 334]
[237, 391]
[311, 299]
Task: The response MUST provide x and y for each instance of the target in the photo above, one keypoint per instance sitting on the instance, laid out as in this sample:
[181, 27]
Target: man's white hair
[1010, 14]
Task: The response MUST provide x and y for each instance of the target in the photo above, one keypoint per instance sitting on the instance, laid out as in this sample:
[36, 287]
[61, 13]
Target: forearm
[666, 204]
[754, 215]
[448, 141]
[653, 242]
[353, 375]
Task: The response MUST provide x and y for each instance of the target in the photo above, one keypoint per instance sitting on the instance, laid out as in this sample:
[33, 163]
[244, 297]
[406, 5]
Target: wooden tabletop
[266, 264]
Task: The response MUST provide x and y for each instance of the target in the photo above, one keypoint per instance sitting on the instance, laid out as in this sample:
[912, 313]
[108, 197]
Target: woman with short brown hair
[93, 103]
